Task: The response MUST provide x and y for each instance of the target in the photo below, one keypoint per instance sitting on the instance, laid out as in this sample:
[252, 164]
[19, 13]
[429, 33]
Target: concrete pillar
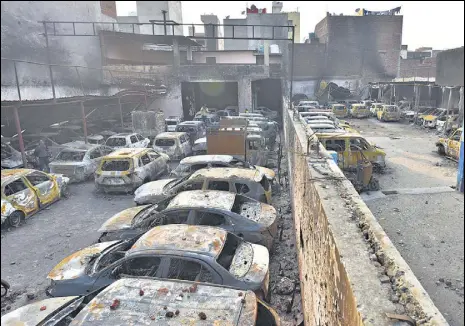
[244, 90]
[460, 183]
[189, 54]
[176, 53]
[266, 53]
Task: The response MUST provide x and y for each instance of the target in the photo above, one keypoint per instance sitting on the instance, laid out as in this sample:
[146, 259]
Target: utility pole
[164, 20]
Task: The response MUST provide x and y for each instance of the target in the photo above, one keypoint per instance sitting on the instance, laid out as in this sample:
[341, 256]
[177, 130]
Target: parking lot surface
[421, 213]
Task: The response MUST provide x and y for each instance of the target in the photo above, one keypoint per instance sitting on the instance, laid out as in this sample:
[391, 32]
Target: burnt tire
[373, 185]
[64, 192]
[441, 150]
[15, 218]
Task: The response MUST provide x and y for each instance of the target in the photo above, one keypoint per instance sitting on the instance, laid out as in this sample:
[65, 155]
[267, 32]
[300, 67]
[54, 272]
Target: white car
[133, 140]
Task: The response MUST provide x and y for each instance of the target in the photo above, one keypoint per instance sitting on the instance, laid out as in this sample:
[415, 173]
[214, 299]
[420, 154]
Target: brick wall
[449, 67]
[365, 46]
[418, 68]
[335, 233]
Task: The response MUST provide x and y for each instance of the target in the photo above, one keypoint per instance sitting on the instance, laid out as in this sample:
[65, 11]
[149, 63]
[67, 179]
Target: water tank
[274, 49]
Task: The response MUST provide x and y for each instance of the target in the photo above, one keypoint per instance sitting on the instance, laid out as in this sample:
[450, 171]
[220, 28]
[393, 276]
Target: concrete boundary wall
[351, 273]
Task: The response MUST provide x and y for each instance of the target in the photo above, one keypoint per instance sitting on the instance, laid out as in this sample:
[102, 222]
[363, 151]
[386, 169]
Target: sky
[438, 24]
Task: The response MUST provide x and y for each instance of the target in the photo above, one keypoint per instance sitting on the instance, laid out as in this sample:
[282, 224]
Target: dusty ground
[427, 226]
[30, 251]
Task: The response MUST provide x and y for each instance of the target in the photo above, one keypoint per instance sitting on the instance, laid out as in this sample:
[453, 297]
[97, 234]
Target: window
[456, 136]
[71, 156]
[181, 269]
[195, 167]
[145, 159]
[260, 60]
[210, 60]
[337, 145]
[153, 155]
[218, 185]
[164, 142]
[116, 165]
[253, 145]
[14, 187]
[242, 188]
[209, 218]
[191, 186]
[226, 256]
[265, 183]
[95, 154]
[106, 150]
[139, 137]
[116, 142]
[133, 139]
[141, 266]
[37, 178]
[358, 144]
[176, 217]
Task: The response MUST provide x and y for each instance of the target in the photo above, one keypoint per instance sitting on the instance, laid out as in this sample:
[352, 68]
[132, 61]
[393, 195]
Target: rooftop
[227, 173]
[206, 159]
[222, 200]
[201, 239]
[220, 304]
[127, 152]
[170, 135]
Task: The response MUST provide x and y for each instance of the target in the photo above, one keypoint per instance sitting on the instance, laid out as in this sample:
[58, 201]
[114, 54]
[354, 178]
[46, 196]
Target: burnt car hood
[150, 191]
[250, 263]
[75, 265]
[122, 220]
[34, 314]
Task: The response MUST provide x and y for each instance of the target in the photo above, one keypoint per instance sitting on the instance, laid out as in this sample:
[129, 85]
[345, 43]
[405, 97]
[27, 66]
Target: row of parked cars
[195, 249]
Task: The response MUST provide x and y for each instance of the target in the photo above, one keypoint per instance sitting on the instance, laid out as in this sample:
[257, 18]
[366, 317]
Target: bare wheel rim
[15, 219]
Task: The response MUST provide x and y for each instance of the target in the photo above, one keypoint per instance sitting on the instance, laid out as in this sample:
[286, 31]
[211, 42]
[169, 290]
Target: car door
[453, 145]
[143, 142]
[21, 196]
[158, 163]
[149, 266]
[45, 187]
[94, 157]
[221, 185]
[147, 168]
[190, 269]
[189, 185]
[133, 141]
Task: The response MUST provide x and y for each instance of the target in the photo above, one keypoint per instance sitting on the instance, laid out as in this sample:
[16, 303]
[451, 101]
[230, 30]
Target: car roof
[221, 305]
[223, 200]
[205, 240]
[127, 152]
[121, 135]
[197, 159]
[227, 173]
[78, 146]
[9, 175]
[170, 135]
[339, 135]
[190, 123]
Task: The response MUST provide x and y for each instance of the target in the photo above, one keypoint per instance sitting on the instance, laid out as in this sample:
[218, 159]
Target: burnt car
[253, 221]
[146, 301]
[79, 161]
[191, 164]
[11, 158]
[252, 183]
[58, 311]
[24, 192]
[184, 252]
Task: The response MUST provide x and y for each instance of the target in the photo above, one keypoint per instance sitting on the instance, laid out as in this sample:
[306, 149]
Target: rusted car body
[127, 140]
[200, 146]
[174, 144]
[223, 179]
[79, 161]
[11, 158]
[26, 191]
[186, 252]
[175, 303]
[56, 313]
[195, 129]
[450, 146]
[194, 163]
[253, 221]
[126, 169]
[359, 110]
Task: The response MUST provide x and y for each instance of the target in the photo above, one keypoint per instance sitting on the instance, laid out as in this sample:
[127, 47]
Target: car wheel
[441, 150]
[15, 218]
[64, 192]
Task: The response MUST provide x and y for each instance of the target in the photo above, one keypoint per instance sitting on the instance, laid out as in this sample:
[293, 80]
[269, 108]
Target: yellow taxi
[340, 110]
[350, 148]
[450, 146]
[388, 113]
[26, 191]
